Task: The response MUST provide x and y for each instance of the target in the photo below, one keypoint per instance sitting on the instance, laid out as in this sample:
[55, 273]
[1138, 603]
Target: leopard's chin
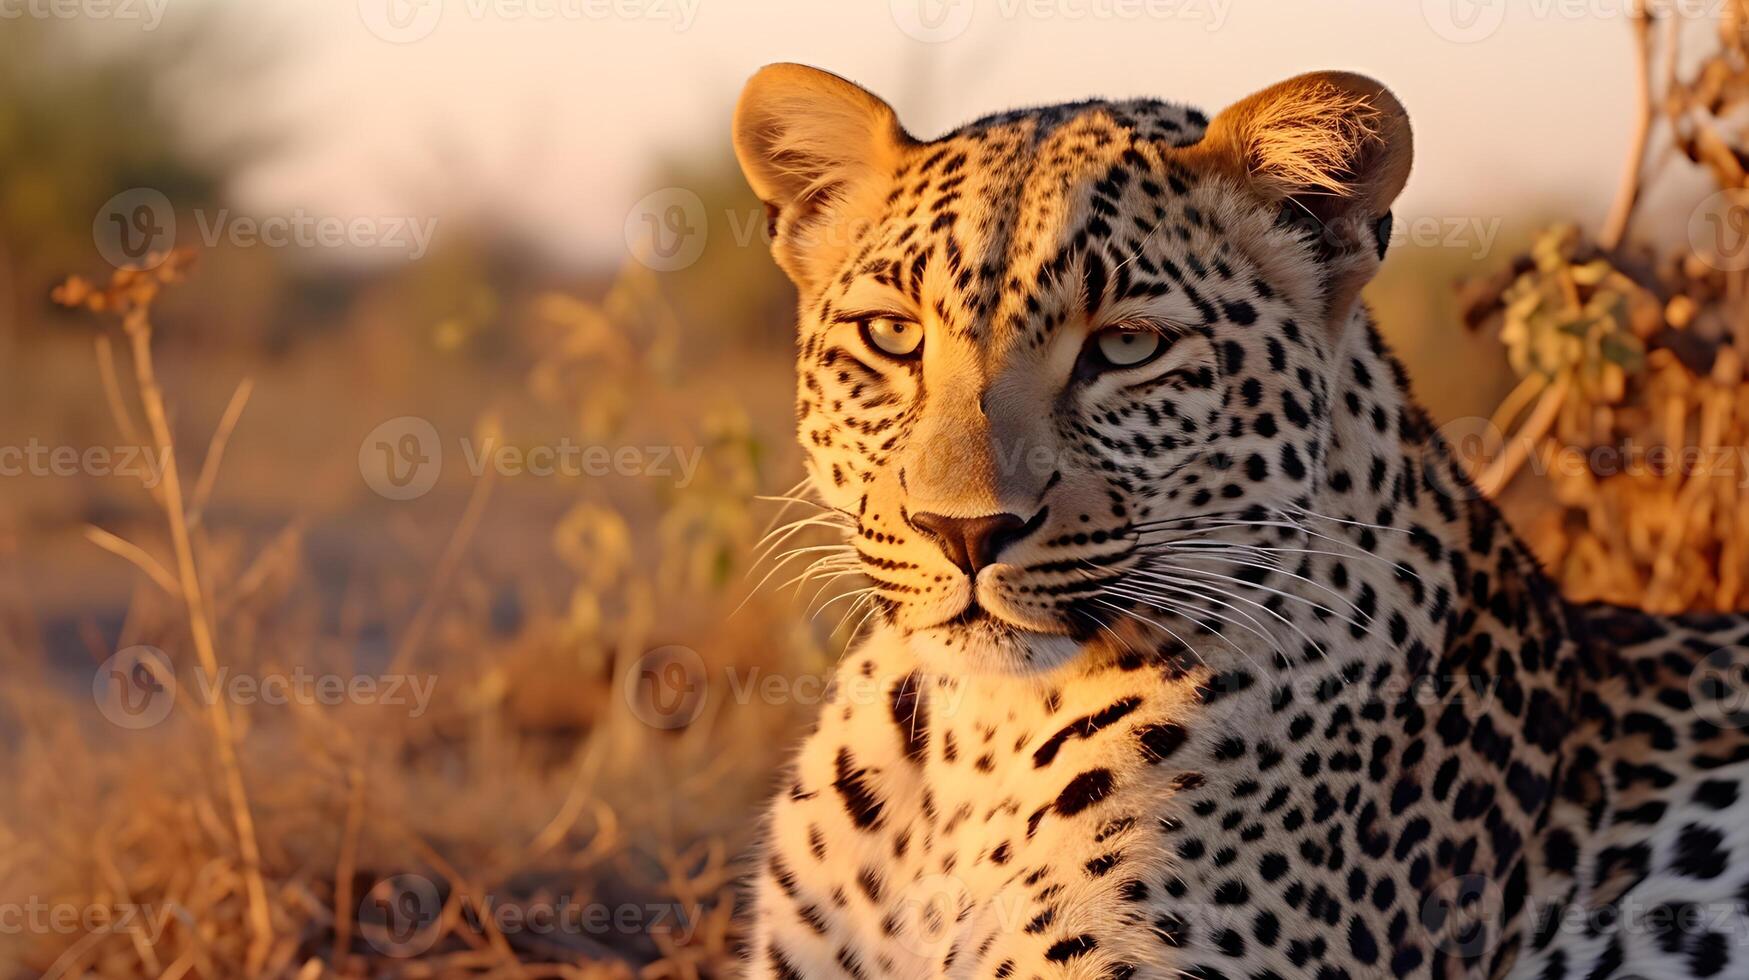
[977, 642]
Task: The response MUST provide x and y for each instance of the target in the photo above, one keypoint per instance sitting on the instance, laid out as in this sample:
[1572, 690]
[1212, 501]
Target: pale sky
[555, 111]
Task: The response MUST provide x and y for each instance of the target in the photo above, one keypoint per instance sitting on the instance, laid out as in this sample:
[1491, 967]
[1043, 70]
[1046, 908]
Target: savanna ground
[274, 721]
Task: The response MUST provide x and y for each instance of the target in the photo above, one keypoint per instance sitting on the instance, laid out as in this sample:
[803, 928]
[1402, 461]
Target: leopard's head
[1032, 343]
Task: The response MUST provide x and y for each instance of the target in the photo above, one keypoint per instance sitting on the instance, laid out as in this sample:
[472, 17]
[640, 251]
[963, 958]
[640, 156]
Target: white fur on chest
[923, 823]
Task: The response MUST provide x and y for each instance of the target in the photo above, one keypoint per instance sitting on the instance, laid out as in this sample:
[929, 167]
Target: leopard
[1187, 647]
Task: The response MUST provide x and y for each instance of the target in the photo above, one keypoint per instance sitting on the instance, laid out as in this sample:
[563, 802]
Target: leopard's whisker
[788, 501]
[1290, 624]
[858, 593]
[1160, 626]
[850, 611]
[826, 577]
[1150, 527]
[873, 610]
[789, 530]
[778, 566]
[1197, 594]
[788, 497]
[1201, 616]
[1154, 564]
[1217, 516]
[826, 573]
[1142, 592]
[1358, 553]
[1273, 567]
[1339, 520]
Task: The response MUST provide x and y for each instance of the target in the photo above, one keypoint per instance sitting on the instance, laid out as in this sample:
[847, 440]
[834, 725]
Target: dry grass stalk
[130, 294]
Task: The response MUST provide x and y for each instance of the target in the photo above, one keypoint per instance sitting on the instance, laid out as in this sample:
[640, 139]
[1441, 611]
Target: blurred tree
[82, 120]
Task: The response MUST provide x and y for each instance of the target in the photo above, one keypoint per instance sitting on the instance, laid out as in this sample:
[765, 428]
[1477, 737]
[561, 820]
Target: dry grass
[528, 821]
[1632, 406]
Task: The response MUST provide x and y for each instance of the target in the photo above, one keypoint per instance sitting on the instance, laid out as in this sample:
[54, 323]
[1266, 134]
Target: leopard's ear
[1334, 150]
[820, 152]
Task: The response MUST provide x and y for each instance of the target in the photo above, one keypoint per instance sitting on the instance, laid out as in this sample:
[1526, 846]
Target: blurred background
[443, 653]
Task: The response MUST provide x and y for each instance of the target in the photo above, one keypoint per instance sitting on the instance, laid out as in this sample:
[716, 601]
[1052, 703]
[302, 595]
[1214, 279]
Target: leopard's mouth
[975, 618]
[979, 641]
[974, 614]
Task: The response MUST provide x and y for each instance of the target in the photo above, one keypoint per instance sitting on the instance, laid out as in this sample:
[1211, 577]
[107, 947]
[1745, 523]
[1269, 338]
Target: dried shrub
[1632, 410]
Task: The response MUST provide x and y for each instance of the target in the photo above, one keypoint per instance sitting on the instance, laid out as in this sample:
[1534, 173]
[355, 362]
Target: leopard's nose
[973, 542]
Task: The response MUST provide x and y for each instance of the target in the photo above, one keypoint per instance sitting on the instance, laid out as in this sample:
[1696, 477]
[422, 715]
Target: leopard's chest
[935, 824]
[1142, 814]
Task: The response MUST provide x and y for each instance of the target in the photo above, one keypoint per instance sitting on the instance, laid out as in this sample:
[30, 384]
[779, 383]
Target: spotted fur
[1250, 683]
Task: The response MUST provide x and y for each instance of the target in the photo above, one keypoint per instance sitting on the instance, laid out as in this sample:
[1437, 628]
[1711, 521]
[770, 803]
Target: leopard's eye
[1122, 348]
[893, 336]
